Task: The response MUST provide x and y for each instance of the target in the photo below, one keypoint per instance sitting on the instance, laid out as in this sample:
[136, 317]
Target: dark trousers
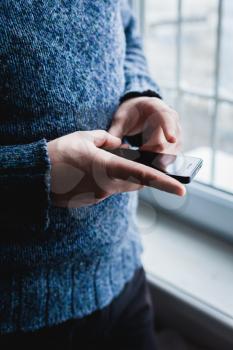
[127, 323]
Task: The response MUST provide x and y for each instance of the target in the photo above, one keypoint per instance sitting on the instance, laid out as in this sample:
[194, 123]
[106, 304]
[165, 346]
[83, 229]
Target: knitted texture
[64, 66]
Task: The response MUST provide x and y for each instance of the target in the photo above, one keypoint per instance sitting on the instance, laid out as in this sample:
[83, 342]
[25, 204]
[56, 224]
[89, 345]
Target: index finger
[169, 125]
[125, 169]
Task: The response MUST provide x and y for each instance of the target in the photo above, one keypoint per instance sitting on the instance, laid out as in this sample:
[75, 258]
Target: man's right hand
[83, 173]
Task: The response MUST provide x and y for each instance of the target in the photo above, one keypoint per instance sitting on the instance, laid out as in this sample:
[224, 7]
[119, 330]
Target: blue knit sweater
[64, 65]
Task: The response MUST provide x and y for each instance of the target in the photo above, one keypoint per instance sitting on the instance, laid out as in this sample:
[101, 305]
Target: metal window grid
[179, 89]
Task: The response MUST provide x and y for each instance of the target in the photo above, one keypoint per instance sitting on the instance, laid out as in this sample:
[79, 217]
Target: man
[74, 82]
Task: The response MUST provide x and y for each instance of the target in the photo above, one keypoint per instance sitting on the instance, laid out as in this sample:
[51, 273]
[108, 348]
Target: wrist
[53, 151]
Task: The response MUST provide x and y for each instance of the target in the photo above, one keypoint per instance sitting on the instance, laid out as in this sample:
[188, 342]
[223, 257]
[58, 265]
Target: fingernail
[172, 139]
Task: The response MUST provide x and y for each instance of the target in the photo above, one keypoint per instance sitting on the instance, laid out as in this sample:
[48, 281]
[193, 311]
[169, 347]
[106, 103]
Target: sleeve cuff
[25, 188]
[139, 87]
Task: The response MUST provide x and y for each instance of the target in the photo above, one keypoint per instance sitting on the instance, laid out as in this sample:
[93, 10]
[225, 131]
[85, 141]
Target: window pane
[196, 118]
[225, 129]
[224, 157]
[170, 97]
[159, 11]
[226, 81]
[198, 72]
[161, 53]
[199, 43]
[160, 39]
[199, 8]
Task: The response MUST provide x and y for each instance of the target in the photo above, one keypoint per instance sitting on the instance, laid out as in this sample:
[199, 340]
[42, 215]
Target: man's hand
[83, 173]
[159, 124]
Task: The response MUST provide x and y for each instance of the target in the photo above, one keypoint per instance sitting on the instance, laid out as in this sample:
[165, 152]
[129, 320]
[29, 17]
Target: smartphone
[182, 168]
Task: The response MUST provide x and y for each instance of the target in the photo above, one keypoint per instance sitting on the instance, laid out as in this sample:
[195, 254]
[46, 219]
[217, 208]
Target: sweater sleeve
[137, 77]
[24, 188]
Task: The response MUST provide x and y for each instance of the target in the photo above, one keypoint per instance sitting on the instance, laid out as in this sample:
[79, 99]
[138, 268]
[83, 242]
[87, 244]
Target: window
[189, 48]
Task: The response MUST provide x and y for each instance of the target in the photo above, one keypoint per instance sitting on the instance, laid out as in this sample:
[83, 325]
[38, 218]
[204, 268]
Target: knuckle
[143, 178]
[102, 132]
[164, 147]
[161, 147]
[140, 176]
[155, 177]
[164, 109]
[153, 181]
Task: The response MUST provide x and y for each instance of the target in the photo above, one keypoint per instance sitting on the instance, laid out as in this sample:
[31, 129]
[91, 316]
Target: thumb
[104, 139]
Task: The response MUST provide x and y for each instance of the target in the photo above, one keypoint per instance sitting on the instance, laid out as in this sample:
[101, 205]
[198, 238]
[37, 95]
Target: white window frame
[207, 207]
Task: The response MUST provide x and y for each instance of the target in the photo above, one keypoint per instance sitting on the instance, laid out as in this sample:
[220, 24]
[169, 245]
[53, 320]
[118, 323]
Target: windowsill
[187, 263]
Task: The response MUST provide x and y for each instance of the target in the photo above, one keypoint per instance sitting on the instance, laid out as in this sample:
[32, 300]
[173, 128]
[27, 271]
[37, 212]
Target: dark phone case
[187, 179]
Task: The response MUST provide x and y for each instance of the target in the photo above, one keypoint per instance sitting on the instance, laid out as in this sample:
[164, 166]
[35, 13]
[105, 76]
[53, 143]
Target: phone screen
[181, 167]
[171, 164]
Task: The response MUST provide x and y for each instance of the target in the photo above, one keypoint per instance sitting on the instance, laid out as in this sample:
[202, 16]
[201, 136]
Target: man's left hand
[158, 123]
